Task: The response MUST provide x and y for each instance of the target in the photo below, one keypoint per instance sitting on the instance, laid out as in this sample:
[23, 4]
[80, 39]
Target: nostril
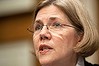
[46, 37]
[45, 34]
[43, 37]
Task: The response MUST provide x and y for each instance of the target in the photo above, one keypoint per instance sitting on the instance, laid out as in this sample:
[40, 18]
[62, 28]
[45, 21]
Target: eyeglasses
[55, 26]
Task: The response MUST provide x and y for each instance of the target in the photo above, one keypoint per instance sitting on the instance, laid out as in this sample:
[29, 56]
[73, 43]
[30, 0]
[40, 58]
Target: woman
[63, 33]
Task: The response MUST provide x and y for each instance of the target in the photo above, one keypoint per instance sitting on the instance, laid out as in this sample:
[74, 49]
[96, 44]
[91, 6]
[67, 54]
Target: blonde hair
[78, 17]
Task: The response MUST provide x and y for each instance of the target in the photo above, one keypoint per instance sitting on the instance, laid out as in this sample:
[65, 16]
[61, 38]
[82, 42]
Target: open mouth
[43, 49]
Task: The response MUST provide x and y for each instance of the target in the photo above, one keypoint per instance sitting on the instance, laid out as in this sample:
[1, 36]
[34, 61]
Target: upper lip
[44, 46]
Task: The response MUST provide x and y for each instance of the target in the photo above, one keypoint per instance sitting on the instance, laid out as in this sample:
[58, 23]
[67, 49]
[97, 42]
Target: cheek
[63, 44]
[59, 40]
[70, 40]
[65, 39]
[35, 41]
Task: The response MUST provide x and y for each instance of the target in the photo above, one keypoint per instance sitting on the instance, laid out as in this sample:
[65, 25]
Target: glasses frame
[31, 27]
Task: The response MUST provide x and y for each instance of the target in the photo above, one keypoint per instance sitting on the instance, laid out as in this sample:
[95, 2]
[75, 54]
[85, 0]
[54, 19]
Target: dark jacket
[89, 64]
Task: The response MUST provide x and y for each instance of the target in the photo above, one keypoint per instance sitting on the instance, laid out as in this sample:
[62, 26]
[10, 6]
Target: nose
[45, 34]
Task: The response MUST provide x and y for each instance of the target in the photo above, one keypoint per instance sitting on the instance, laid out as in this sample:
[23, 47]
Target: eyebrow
[37, 21]
[55, 18]
[51, 18]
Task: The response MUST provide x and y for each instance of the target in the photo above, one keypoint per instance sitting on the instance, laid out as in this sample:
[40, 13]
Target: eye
[38, 27]
[56, 24]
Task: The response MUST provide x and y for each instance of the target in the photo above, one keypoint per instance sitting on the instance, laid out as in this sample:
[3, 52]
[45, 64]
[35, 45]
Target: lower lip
[45, 51]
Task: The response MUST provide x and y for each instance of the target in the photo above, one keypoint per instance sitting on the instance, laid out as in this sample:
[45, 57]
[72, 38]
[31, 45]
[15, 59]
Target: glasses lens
[55, 26]
[38, 27]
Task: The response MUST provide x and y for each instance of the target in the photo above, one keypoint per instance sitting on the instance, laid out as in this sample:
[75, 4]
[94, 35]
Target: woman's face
[53, 46]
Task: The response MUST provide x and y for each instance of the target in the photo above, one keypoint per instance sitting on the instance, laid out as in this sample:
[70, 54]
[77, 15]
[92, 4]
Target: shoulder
[89, 64]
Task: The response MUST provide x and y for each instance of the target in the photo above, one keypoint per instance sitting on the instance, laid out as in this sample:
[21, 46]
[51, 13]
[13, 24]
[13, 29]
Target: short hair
[78, 17]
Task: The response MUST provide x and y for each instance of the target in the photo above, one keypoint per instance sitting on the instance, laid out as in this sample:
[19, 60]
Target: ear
[80, 36]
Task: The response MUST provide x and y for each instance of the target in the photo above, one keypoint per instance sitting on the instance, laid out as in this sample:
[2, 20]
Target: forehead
[50, 12]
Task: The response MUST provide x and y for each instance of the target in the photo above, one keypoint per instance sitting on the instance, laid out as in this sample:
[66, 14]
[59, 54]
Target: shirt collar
[80, 62]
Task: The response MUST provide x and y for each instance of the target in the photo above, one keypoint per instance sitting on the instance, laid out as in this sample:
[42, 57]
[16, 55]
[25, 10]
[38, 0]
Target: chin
[46, 61]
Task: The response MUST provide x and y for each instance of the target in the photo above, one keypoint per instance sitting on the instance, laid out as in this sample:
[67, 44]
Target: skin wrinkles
[62, 41]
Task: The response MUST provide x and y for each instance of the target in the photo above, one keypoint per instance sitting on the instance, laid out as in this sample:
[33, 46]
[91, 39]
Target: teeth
[44, 47]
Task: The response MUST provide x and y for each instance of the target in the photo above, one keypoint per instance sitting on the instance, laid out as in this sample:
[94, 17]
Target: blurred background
[16, 42]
